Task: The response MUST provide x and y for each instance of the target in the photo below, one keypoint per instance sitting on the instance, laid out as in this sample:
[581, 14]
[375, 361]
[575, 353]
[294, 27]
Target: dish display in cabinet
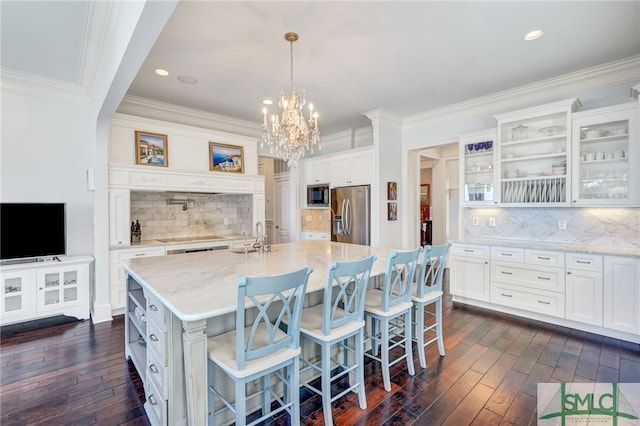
[605, 153]
[477, 171]
[533, 154]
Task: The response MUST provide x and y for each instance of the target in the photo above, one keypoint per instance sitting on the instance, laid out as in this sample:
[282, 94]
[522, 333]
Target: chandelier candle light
[290, 135]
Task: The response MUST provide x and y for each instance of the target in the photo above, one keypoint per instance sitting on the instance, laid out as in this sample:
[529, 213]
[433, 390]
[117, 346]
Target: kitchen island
[175, 302]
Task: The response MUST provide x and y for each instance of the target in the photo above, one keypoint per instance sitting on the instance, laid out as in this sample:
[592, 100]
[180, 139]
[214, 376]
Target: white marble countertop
[202, 285]
[578, 248]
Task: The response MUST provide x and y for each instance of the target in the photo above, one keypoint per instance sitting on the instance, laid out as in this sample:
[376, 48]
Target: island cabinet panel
[153, 343]
[586, 290]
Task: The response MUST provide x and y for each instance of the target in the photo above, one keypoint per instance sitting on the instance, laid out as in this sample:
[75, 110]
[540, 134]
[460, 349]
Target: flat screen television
[32, 230]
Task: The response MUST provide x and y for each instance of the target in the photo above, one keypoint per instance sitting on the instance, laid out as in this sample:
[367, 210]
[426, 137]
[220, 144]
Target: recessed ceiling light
[187, 80]
[267, 101]
[161, 72]
[534, 35]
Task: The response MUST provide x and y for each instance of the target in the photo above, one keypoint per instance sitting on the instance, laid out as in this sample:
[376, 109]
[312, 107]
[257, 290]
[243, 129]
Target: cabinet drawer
[543, 278]
[156, 311]
[157, 341]
[544, 258]
[480, 252]
[584, 262]
[156, 405]
[141, 252]
[528, 299]
[507, 254]
[156, 372]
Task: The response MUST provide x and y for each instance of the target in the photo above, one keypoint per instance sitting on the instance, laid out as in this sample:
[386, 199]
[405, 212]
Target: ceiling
[352, 56]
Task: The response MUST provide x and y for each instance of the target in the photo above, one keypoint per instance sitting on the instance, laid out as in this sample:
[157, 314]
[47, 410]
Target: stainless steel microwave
[318, 195]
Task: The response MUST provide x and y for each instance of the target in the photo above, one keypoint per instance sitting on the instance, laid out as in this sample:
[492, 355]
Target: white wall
[44, 157]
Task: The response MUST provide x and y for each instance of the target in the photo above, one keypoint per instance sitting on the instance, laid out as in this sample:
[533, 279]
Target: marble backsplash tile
[204, 215]
[316, 220]
[610, 226]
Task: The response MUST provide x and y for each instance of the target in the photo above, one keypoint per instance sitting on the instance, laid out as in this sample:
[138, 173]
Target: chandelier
[290, 134]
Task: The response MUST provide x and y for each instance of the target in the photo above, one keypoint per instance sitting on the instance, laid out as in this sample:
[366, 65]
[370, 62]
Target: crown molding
[134, 105]
[609, 74]
[34, 85]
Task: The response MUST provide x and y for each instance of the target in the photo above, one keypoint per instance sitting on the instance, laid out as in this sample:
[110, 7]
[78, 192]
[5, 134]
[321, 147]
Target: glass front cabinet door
[605, 154]
[477, 174]
[534, 154]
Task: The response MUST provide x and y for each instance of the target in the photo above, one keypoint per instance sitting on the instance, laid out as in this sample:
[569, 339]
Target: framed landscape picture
[226, 158]
[151, 149]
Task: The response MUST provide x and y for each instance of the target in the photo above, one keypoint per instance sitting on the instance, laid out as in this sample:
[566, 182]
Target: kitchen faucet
[260, 243]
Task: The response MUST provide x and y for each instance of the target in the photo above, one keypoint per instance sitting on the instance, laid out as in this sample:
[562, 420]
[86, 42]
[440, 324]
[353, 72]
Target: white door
[282, 209]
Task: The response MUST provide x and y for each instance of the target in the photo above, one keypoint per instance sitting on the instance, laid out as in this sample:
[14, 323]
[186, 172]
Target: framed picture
[392, 211]
[424, 193]
[392, 191]
[226, 158]
[152, 149]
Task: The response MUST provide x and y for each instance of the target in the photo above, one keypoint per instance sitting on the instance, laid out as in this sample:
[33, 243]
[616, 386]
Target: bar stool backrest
[399, 276]
[274, 296]
[431, 269]
[344, 292]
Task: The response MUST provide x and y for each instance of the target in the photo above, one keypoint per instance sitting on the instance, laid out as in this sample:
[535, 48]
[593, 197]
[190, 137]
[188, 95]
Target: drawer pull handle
[152, 400]
[506, 295]
[153, 337]
[153, 368]
[543, 258]
[506, 273]
[140, 254]
[468, 250]
[154, 308]
[506, 254]
[544, 302]
[544, 278]
[584, 262]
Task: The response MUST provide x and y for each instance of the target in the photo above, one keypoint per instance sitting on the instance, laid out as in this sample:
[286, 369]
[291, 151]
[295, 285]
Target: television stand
[43, 287]
[29, 260]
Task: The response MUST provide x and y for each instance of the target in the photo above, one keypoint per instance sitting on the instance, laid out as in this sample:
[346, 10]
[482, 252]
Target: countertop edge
[576, 248]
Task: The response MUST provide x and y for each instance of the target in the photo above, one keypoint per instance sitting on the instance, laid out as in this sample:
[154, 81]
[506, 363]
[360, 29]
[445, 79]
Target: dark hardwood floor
[76, 374]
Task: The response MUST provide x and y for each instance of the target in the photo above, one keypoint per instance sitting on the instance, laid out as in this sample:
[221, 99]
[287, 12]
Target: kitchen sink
[189, 239]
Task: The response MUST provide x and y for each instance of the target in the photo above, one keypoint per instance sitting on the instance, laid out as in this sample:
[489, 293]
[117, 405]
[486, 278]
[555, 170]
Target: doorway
[438, 168]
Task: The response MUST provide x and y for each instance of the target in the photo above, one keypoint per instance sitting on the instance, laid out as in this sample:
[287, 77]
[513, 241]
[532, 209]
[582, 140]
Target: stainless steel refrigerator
[351, 210]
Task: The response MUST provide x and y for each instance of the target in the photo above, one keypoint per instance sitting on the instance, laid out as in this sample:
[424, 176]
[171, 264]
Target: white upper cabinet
[534, 153]
[316, 171]
[477, 168]
[605, 156]
[353, 168]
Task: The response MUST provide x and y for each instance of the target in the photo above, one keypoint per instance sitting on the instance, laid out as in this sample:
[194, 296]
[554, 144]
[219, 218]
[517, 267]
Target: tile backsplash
[205, 214]
[610, 226]
[316, 220]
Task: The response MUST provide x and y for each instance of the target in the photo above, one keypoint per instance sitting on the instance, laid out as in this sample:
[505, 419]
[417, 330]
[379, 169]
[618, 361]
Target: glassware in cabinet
[534, 152]
[606, 156]
[477, 171]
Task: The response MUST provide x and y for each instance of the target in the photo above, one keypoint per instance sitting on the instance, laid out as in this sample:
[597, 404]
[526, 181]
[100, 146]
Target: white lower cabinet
[315, 235]
[469, 266]
[51, 288]
[528, 279]
[588, 291]
[117, 275]
[584, 288]
[622, 294]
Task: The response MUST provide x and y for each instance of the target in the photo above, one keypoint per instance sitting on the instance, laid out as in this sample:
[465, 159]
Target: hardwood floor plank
[486, 418]
[566, 367]
[470, 406]
[629, 371]
[506, 392]
[522, 411]
[500, 369]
